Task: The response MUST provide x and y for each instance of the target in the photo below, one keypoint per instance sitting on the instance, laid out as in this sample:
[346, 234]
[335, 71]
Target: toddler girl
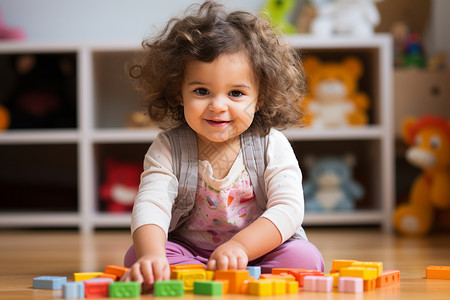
[221, 185]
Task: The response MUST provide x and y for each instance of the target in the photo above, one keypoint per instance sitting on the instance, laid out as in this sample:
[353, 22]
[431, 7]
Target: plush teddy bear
[120, 186]
[429, 149]
[334, 99]
[352, 17]
[330, 186]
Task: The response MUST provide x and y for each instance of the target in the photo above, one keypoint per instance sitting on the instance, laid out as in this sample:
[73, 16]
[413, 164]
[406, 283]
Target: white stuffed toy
[351, 17]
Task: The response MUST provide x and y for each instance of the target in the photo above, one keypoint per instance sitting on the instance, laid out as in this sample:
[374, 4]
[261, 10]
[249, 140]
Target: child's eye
[236, 94]
[201, 91]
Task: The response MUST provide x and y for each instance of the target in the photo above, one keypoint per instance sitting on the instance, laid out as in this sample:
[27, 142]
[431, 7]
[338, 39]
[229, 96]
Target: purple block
[350, 285]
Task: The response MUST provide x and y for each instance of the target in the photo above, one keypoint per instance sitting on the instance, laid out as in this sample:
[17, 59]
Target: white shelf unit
[105, 95]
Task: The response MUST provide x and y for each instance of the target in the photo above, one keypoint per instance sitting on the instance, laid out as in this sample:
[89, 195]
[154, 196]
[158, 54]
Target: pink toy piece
[318, 284]
[350, 285]
[7, 33]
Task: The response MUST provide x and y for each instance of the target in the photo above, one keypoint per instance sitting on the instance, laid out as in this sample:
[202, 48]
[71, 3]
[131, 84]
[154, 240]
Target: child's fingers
[159, 270]
[135, 274]
[242, 263]
[222, 262]
[147, 272]
[211, 265]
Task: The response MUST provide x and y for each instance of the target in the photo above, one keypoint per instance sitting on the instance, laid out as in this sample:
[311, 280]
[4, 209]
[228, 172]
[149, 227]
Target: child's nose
[218, 103]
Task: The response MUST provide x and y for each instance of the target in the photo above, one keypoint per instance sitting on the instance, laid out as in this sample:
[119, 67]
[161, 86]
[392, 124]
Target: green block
[207, 287]
[119, 289]
[169, 288]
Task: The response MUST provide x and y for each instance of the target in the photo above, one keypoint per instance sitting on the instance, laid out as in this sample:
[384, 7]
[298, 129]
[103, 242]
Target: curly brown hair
[206, 34]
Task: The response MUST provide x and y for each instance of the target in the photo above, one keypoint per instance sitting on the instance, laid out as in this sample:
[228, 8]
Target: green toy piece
[169, 288]
[119, 289]
[279, 11]
[208, 287]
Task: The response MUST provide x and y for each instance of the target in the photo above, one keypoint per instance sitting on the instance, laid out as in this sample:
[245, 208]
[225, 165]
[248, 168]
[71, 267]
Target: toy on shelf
[330, 186]
[279, 10]
[4, 118]
[350, 17]
[121, 185]
[333, 99]
[428, 139]
[414, 56]
[306, 15]
[8, 33]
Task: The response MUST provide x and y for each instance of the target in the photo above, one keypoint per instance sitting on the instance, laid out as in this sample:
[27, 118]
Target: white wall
[71, 20]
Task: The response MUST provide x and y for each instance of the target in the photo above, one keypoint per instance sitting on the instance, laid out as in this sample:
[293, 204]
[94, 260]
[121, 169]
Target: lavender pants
[293, 254]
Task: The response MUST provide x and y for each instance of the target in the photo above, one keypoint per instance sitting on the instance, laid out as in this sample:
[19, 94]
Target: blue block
[255, 272]
[74, 289]
[49, 282]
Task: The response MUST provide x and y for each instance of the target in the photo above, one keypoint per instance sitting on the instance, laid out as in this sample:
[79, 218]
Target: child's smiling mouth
[217, 123]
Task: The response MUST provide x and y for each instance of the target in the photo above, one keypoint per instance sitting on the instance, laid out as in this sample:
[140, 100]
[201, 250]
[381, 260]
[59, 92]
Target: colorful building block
[368, 264]
[255, 272]
[86, 275]
[301, 274]
[369, 284]
[210, 275]
[291, 287]
[342, 263]
[97, 287]
[188, 276]
[225, 286]
[282, 276]
[286, 270]
[244, 285]
[187, 267]
[234, 277]
[131, 289]
[278, 286]
[73, 289]
[49, 282]
[169, 288]
[110, 276]
[438, 272]
[115, 270]
[388, 277]
[364, 273]
[208, 287]
[335, 277]
[318, 284]
[350, 285]
[260, 287]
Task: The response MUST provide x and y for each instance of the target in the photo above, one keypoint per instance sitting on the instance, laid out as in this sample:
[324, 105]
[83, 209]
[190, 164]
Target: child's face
[219, 97]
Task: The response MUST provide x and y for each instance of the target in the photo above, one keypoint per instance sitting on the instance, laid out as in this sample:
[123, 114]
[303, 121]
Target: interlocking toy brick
[350, 285]
[130, 289]
[301, 274]
[234, 277]
[335, 277]
[115, 270]
[342, 263]
[49, 282]
[368, 264]
[187, 267]
[86, 275]
[318, 284]
[282, 276]
[188, 276]
[369, 284]
[97, 287]
[291, 287]
[110, 276]
[255, 272]
[388, 277]
[208, 287]
[364, 273]
[169, 288]
[73, 289]
[286, 270]
[260, 287]
[278, 286]
[210, 275]
[438, 272]
[244, 285]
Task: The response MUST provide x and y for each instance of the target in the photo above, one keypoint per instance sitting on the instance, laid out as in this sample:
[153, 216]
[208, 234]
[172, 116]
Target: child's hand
[147, 270]
[228, 256]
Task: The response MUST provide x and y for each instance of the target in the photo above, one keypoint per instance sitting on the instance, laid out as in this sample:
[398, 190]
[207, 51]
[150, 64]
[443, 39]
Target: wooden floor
[28, 254]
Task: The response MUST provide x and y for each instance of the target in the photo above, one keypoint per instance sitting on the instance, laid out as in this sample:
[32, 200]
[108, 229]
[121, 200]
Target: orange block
[234, 277]
[187, 267]
[342, 263]
[438, 272]
[115, 270]
[225, 286]
[369, 284]
[300, 275]
[282, 276]
[104, 275]
[388, 277]
[244, 286]
[286, 270]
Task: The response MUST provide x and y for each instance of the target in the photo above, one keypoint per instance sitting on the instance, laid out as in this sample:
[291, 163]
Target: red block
[299, 275]
[97, 287]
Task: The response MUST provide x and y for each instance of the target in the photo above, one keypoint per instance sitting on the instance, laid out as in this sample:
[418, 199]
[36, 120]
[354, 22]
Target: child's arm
[151, 265]
[250, 243]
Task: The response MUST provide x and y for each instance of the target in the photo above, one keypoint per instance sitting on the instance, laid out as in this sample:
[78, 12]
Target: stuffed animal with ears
[334, 99]
[330, 186]
[120, 186]
[429, 149]
[279, 11]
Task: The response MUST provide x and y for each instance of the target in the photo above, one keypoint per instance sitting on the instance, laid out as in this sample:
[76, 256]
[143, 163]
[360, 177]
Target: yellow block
[335, 279]
[364, 273]
[188, 276]
[291, 287]
[260, 288]
[86, 275]
[342, 263]
[210, 275]
[278, 286]
[370, 264]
